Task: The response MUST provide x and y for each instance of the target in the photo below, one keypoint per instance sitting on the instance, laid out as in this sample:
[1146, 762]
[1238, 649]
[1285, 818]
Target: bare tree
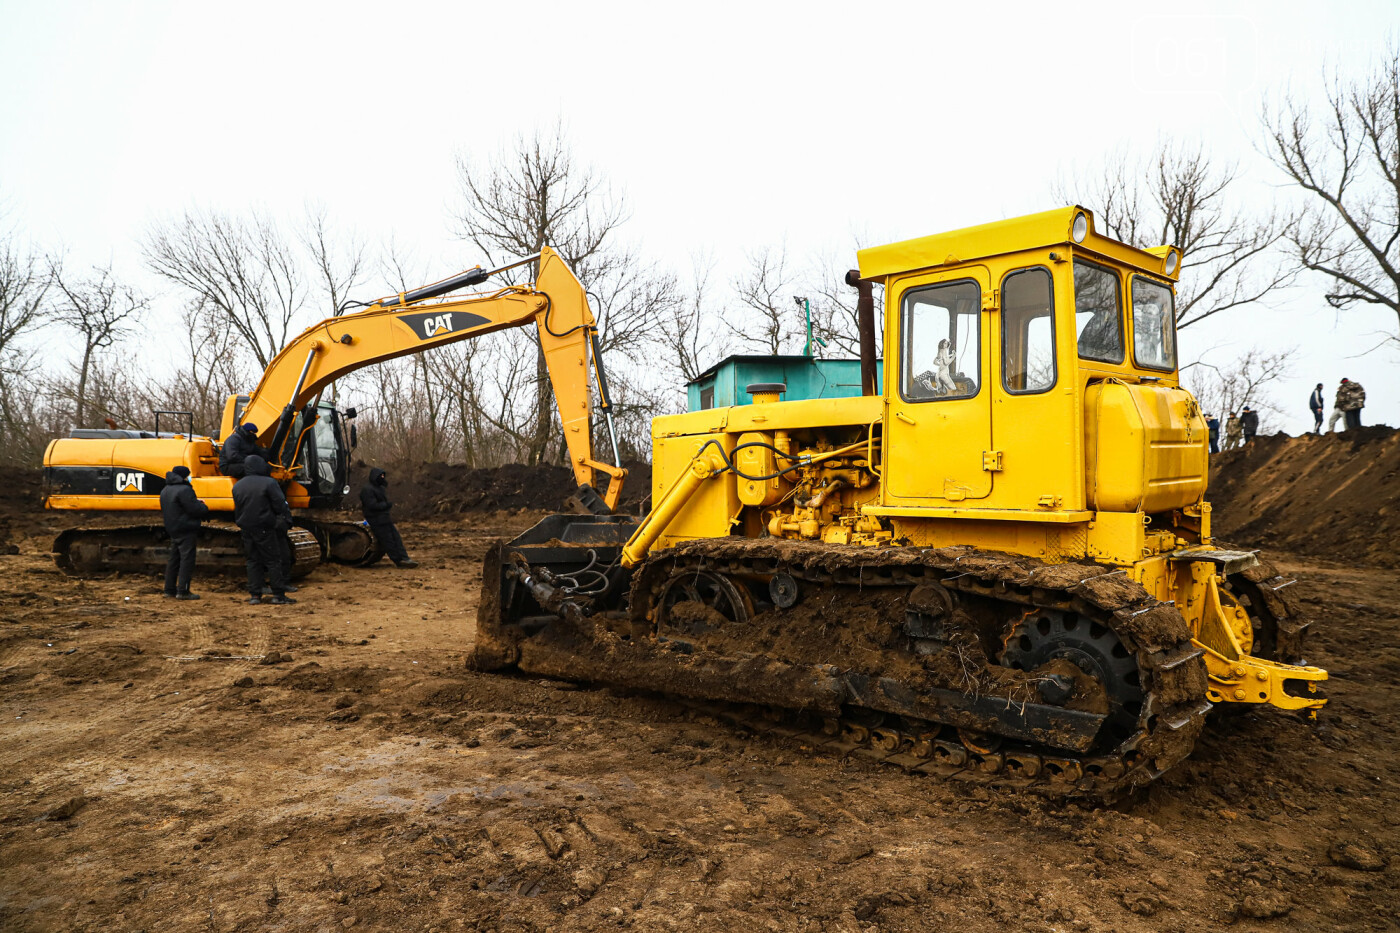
[99, 309]
[1347, 159]
[1243, 382]
[337, 259]
[1179, 196]
[243, 268]
[532, 196]
[24, 287]
[769, 322]
[834, 315]
[685, 336]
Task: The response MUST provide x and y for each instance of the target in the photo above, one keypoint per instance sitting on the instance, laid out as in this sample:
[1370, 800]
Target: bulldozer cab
[1020, 356]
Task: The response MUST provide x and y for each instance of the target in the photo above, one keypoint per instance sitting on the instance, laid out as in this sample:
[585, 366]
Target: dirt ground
[156, 775]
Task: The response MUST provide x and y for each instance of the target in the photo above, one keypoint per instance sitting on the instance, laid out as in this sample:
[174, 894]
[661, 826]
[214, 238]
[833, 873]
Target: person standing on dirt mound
[261, 512]
[1317, 405]
[1232, 431]
[1351, 398]
[374, 502]
[1338, 412]
[238, 448]
[182, 513]
[1213, 429]
[1249, 424]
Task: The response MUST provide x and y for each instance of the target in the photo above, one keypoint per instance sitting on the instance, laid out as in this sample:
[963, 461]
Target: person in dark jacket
[1317, 403]
[238, 448]
[1249, 424]
[374, 501]
[1213, 428]
[182, 513]
[261, 512]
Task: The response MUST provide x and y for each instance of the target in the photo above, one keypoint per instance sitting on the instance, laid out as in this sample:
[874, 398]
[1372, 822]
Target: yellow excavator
[997, 566]
[114, 470]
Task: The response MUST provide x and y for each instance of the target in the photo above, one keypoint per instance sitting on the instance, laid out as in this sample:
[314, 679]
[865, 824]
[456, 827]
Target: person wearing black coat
[1317, 404]
[1249, 424]
[374, 502]
[1213, 430]
[261, 512]
[182, 512]
[238, 448]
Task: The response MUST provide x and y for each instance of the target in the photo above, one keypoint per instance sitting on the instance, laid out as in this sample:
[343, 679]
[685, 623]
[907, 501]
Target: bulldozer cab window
[1027, 332]
[1154, 325]
[941, 333]
[1097, 319]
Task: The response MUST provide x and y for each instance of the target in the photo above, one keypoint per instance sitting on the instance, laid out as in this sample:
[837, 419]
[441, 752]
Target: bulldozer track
[1170, 669]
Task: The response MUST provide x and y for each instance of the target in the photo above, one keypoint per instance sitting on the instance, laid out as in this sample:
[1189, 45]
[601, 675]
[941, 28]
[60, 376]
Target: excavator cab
[322, 461]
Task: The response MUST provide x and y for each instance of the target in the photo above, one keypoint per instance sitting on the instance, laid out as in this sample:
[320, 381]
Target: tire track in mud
[89, 769]
[195, 696]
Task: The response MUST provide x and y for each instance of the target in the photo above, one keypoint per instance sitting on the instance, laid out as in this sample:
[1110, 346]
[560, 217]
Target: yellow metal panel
[1116, 538]
[709, 421]
[1003, 515]
[1049, 228]
[1145, 448]
[806, 413]
[711, 511]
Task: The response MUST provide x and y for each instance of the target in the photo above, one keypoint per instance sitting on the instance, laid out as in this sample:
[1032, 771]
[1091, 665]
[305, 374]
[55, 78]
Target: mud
[426, 490]
[366, 780]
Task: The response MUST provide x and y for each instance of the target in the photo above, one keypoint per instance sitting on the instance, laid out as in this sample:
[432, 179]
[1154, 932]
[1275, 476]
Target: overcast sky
[729, 126]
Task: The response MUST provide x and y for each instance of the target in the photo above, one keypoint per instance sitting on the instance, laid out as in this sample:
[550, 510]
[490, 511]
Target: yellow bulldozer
[998, 565]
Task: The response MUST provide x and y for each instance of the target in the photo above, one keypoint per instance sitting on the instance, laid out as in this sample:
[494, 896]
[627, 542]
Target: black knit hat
[182, 470]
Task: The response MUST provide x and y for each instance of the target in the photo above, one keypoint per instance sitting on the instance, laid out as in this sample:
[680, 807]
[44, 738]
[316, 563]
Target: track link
[1172, 674]
[144, 549]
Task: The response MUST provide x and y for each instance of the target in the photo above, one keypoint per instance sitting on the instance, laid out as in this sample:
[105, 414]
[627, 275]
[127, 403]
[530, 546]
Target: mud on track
[371, 782]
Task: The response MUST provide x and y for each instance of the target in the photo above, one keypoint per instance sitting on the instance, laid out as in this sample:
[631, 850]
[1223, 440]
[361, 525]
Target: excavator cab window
[323, 458]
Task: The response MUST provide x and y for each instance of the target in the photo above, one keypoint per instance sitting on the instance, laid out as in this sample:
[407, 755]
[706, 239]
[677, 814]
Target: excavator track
[145, 548]
[937, 691]
[342, 542]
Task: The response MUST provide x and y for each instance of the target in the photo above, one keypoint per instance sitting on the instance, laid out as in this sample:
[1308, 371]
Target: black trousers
[236, 470]
[388, 536]
[179, 569]
[1317, 420]
[1353, 419]
[266, 556]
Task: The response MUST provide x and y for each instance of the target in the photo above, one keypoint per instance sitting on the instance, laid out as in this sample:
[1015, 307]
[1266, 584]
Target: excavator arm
[412, 322]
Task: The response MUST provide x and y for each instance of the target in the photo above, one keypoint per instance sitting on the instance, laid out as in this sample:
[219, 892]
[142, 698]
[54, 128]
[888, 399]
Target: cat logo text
[437, 324]
[130, 482]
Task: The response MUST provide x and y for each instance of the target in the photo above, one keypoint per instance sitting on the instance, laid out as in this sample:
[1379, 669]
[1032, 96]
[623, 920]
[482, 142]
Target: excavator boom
[411, 323]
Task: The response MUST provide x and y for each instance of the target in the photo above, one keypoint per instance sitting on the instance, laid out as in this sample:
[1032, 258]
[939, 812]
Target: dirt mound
[425, 490]
[1335, 496]
[21, 505]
